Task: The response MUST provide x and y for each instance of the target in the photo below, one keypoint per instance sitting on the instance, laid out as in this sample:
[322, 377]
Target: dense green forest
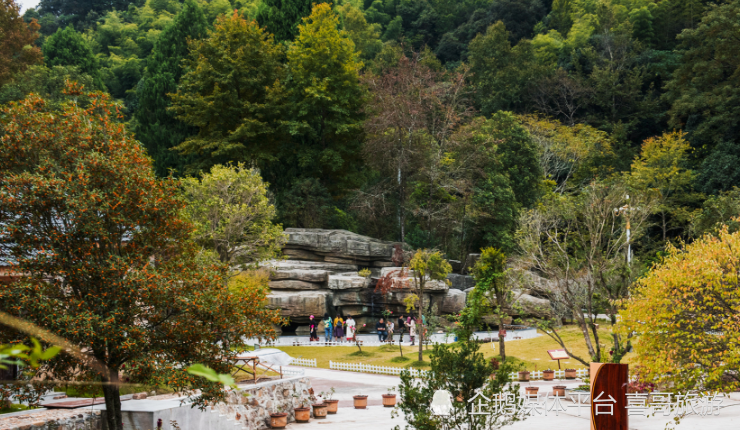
[441, 123]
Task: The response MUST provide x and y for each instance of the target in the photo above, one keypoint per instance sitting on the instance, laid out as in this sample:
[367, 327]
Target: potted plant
[303, 411]
[570, 374]
[389, 400]
[524, 376]
[319, 407]
[331, 404]
[558, 391]
[360, 401]
[278, 419]
[531, 391]
[548, 375]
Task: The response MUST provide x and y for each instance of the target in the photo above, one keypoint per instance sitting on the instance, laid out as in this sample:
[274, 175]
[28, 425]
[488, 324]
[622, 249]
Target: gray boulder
[453, 301]
[286, 265]
[308, 275]
[533, 306]
[339, 244]
[298, 305]
[460, 282]
[346, 281]
[293, 284]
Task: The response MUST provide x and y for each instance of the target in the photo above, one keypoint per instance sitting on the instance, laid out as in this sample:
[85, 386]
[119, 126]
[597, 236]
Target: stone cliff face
[320, 275]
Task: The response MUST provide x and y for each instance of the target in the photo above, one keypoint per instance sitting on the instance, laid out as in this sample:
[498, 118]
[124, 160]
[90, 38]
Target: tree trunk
[112, 393]
[501, 347]
[419, 325]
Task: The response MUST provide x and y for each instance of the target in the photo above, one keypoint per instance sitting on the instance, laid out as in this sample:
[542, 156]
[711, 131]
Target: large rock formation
[320, 275]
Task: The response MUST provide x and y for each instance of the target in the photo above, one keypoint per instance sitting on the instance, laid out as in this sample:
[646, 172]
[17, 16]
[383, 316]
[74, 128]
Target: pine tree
[155, 127]
[282, 17]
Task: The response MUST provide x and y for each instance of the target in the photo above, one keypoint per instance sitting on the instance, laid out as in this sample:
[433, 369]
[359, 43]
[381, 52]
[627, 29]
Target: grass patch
[418, 364]
[400, 359]
[361, 354]
[15, 407]
[388, 348]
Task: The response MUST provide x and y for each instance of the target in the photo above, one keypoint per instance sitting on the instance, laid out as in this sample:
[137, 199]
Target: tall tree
[684, 314]
[492, 287]
[325, 101]
[16, 41]
[233, 215]
[662, 169]
[108, 259]
[232, 94]
[67, 47]
[155, 127]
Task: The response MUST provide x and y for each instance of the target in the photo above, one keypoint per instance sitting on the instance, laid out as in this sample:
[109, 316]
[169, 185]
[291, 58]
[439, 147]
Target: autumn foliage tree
[684, 313]
[108, 259]
[16, 41]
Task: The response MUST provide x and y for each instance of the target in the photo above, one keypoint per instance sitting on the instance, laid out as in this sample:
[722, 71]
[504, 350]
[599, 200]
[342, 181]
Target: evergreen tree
[231, 92]
[67, 47]
[155, 127]
[16, 39]
[326, 101]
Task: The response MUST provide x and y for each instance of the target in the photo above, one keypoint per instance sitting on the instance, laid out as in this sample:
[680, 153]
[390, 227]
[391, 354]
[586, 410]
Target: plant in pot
[303, 411]
[279, 418]
[332, 404]
[558, 391]
[523, 376]
[531, 391]
[389, 400]
[548, 375]
[570, 374]
[319, 407]
[360, 401]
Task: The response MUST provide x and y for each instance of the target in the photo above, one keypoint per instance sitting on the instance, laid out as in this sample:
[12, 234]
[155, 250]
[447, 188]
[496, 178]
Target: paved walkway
[376, 417]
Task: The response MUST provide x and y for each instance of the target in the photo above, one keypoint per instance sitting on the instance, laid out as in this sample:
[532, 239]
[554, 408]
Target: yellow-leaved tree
[684, 315]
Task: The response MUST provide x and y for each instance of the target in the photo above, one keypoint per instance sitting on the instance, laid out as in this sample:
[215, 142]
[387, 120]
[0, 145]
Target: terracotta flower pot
[548, 375]
[319, 410]
[389, 400]
[524, 376]
[570, 374]
[558, 390]
[278, 421]
[302, 415]
[360, 402]
[332, 406]
[531, 391]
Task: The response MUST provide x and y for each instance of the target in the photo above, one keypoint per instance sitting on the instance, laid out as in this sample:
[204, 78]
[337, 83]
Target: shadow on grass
[361, 354]
[400, 359]
[417, 364]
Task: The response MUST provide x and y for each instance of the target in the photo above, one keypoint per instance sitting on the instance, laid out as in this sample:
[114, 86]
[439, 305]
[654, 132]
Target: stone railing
[367, 368]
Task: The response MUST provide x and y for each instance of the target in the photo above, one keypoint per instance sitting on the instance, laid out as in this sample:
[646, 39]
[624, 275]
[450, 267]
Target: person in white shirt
[351, 328]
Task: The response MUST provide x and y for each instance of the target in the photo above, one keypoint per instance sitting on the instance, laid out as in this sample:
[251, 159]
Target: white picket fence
[305, 362]
[367, 368]
[293, 372]
[559, 374]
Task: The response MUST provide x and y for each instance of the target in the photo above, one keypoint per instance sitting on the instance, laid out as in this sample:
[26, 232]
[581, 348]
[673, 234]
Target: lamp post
[626, 211]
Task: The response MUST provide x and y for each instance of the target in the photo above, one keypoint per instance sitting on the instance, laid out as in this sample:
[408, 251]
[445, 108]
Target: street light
[626, 211]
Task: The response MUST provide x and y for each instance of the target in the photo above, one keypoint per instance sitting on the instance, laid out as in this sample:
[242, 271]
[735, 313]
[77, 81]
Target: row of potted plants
[322, 406]
[548, 375]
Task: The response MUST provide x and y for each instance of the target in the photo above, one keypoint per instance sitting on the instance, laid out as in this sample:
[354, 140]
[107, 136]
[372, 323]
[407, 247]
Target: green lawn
[13, 408]
[530, 353]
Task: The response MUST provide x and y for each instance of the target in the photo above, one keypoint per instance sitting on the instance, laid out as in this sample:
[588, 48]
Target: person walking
[351, 328]
[412, 329]
[338, 328]
[312, 335]
[401, 326]
[390, 326]
[327, 328]
[380, 327]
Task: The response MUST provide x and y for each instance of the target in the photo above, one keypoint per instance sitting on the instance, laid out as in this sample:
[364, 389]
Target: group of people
[339, 328]
[386, 329]
[335, 330]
